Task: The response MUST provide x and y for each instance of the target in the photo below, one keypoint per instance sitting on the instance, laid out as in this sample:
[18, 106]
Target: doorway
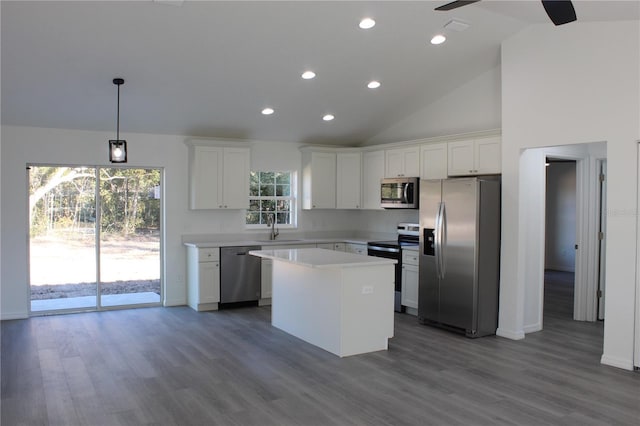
[94, 237]
[560, 238]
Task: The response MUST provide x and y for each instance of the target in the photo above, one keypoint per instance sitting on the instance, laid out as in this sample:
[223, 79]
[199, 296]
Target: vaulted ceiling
[208, 69]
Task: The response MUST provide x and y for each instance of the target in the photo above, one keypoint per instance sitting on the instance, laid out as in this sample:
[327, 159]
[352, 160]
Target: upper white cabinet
[318, 180]
[433, 161]
[402, 162]
[219, 176]
[475, 157]
[372, 174]
[349, 176]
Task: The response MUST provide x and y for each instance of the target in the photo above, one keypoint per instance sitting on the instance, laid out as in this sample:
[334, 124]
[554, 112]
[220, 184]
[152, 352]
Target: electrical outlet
[367, 289]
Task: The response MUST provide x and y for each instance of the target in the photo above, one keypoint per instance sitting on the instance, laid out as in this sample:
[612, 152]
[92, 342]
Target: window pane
[283, 190]
[254, 205]
[267, 177]
[283, 178]
[283, 205]
[264, 217]
[254, 186]
[267, 205]
[266, 190]
[253, 218]
[283, 218]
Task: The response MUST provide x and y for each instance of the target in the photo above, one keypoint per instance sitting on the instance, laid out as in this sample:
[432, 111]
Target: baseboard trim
[532, 328]
[612, 361]
[13, 316]
[510, 334]
[175, 302]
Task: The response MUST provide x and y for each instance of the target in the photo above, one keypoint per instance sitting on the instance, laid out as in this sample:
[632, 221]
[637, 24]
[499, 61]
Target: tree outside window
[271, 194]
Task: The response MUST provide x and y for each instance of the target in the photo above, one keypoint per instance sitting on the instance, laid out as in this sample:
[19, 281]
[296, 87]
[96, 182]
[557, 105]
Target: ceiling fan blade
[456, 4]
[560, 11]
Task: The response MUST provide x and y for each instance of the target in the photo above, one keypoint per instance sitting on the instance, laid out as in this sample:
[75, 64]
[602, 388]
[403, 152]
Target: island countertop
[322, 258]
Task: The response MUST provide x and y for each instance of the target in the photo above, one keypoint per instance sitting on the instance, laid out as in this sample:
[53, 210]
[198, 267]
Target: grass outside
[64, 265]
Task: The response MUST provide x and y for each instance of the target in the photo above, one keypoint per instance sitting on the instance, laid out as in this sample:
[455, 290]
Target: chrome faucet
[271, 222]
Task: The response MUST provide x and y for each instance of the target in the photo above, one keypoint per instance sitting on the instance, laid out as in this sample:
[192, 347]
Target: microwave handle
[406, 189]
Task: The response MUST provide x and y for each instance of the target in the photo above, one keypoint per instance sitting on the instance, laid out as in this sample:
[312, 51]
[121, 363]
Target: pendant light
[117, 147]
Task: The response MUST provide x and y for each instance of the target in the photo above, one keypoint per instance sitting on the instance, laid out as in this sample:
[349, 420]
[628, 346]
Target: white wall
[22, 145]
[560, 222]
[569, 85]
[472, 107]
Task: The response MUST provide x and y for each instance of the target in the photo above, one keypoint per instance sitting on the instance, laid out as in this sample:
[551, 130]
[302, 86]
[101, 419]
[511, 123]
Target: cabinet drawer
[409, 257]
[208, 254]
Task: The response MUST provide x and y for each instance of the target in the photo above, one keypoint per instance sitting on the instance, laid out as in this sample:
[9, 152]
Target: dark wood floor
[169, 366]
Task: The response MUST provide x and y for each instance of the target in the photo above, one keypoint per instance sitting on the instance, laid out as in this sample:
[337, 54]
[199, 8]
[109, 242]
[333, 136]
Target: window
[271, 194]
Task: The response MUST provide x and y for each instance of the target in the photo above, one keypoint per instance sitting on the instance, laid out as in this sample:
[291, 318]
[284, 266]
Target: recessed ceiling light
[328, 117]
[438, 39]
[373, 84]
[367, 23]
[268, 111]
[308, 75]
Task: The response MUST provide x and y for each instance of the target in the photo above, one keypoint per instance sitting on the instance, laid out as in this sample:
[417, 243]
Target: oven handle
[385, 249]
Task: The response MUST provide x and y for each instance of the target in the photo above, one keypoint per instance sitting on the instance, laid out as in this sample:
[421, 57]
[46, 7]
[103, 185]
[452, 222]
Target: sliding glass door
[94, 238]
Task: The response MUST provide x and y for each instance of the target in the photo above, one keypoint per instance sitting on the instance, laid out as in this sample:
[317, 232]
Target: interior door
[458, 284]
[603, 233]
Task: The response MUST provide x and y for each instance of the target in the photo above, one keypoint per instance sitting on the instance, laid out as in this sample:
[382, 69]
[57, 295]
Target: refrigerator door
[458, 294]
[429, 294]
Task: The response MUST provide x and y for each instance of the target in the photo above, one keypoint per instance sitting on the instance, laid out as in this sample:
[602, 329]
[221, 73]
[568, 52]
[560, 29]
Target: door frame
[532, 223]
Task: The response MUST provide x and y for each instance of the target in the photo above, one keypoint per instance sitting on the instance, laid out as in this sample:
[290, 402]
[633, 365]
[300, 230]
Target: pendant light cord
[118, 118]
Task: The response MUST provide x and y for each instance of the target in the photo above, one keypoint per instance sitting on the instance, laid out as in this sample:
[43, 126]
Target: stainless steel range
[408, 235]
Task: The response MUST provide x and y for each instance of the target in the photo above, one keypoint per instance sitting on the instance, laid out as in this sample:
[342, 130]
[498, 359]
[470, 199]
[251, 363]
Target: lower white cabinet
[266, 282]
[203, 278]
[332, 246]
[410, 284]
[356, 248]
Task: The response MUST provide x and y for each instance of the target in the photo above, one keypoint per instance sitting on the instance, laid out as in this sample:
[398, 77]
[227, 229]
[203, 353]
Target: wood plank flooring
[174, 366]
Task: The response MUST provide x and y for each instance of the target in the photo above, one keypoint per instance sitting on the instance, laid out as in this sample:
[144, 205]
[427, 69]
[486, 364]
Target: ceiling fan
[560, 11]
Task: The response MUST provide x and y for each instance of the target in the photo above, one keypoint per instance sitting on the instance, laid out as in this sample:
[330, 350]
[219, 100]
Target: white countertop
[276, 242]
[322, 258]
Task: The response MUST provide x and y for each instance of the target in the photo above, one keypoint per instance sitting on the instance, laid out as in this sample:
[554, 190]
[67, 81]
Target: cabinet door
[409, 295]
[205, 191]
[209, 282]
[323, 180]
[434, 161]
[266, 283]
[339, 246]
[372, 174]
[348, 185]
[487, 156]
[356, 248]
[461, 158]
[235, 179]
[411, 160]
[394, 163]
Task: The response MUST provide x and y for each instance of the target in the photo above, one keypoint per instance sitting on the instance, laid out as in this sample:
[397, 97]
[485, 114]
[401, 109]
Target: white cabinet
[203, 278]
[433, 160]
[475, 157]
[356, 248]
[219, 176]
[349, 180]
[318, 180]
[372, 174]
[266, 282]
[402, 162]
[332, 246]
[410, 283]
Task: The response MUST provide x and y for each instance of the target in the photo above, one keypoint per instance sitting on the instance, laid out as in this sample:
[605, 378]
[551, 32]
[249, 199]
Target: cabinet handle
[220, 206]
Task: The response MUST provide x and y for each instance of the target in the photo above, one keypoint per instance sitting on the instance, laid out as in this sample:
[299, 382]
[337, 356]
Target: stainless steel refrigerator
[460, 254]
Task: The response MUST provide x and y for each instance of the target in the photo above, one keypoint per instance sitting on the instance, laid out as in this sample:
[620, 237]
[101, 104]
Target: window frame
[292, 198]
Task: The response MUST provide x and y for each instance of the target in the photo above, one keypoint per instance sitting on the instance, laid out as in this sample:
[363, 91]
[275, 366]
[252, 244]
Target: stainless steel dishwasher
[239, 274]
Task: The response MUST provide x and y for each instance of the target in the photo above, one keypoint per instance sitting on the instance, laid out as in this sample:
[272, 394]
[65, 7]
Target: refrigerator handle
[438, 241]
[443, 240]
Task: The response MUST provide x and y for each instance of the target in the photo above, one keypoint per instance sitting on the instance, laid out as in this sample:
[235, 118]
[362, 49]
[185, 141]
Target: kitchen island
[341, 302]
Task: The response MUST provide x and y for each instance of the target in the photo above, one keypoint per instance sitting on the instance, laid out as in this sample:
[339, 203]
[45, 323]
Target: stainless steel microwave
[399, 193]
